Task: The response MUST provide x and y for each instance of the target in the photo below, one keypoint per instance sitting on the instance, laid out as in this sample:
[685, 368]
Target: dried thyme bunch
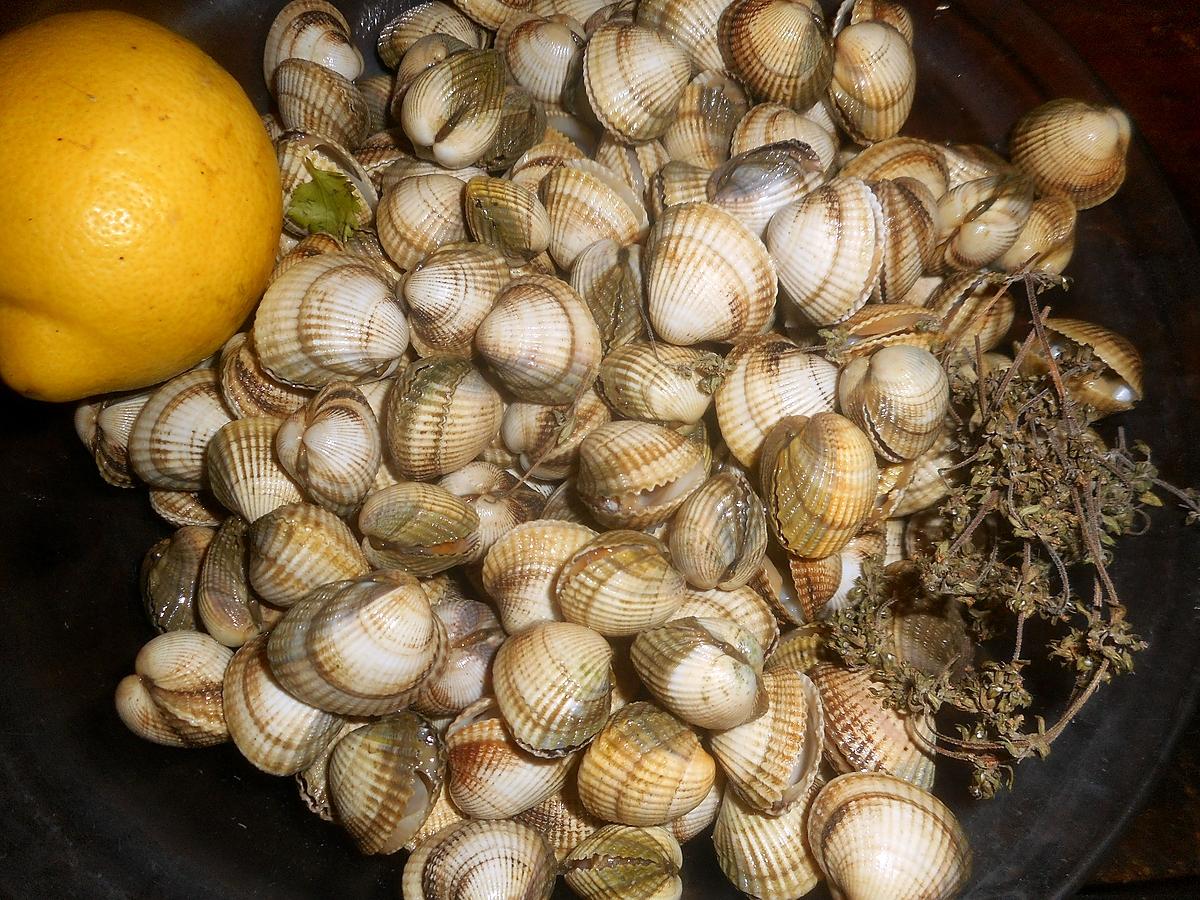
[1039, 499]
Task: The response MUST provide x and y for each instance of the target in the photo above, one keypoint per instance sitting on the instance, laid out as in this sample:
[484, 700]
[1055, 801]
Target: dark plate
[89, 810]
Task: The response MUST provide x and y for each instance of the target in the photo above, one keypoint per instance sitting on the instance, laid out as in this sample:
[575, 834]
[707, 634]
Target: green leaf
[328, 204]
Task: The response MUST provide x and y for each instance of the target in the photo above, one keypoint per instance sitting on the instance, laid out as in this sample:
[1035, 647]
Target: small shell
[474, 635]
[332, 447]
[756, 184]
[418, 20]
[328, 318]
[823, 585]
[709, 109]
[863, 735]
[543, 55]
[506, 216]
[799, 648]
[1047, 241]
[424, 54]
[675, 183]
[418, 215]
[104, 427]
[490, 776]
[765, 856]
[500, 501]
[536, 162]
[301, 156]
[541, 340]
[376, 90]
[622, 863]
[692, 824]
[174, 697]
[299, 547]
[707, 672]
[902, 157]
[420, 528]
[771, 760]
[770, 123]
[888, 11]
[548, 437]
[931, 479]
[874, 80]
[169, 573]
[360, 647]
[973, 305]
[634, 79]
[380, 151]
[562, 820]
[829, 249]
[248, 389]
[768, 379]
[449, 293]
[315, 99]
[588, 202]
[637, 474]
[879, 325]
[819, 482]
[609, 279]
[644, 768]
[692, 25]
[1073, 148]
[438, 416]
[481, 859]
[452, 111]
[619, 584]
[742, 606]
[242, 471]
[554, 687]
[168, 440]
[708, 278]
[276, 732]
[859, 821]
[899, 397]
[910, 243]
[227, 607]
[779, 48]
[312, 30]
[521, 568]
[1115, 389]
[410, 167]
[186, 507]
[980, 220]
[719, 535]
[659, 382]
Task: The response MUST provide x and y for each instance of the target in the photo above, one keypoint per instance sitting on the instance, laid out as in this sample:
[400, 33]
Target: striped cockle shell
[980, 221]
[644, 768]
[863, 735]
[587, 202]
[618, 861]
[167, 443]
[910, 238]
[823, 585]
[889, 11]
[103, 426]
[181, 508]
[1047, 241]
[541, 341]
[490, 776]
[226, 605]
[770, 123]
[438, 416]
[1074, 148]
[754, 185]
[819, 479]
[799, 648]
[771, 760]
[879, 325]
[473, 634]
[709, 109]
[561, 819]
[547, 438]
[743, 606]
[383, 780]
[297, 548]
[859, 823]
[676, 182]
[452, 111]
[636, 474]
[174, 696]
[329, 318]
[779, 48]
[536, 162]
[318, 100]
[543, 54]
[418, 20]
[766, 380]
[634, 79]
[707, 672]
[506, 216]
[419, 214]
[381, 150]
[493, 858]
[874, 80]
[619, 584]
[719, 535]
[692, 25]
[332, 447]
[500, 500]
[970, 162]
[973, 305]
[449, 293]
[829, 249]
[553, 684]
[708, 278]
[276, 732]
[902, 157]
[899, 397]
[660, 382]
[521, 568]
[420, 528]
[931, 478]
[1115, 389]
[635, 165]
[424, 54]
[608, 277]
[765, 855]
[522, 124]
[492, 13]
[376, 90]
[410, 167]
[694, 823]
[248, 389]
[360, 647]
[242, 470]
[314, 30]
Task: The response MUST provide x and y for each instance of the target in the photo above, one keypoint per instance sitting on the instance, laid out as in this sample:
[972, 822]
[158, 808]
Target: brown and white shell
[779, 48]
[756, 184]
[242, 470]
[420, 528]
[899, 397]
[248, 389]
[318, 100]
[588, 202]
[419, 214]
[660, 382]
[452, 112]
[692, 25]
[168, 440]
[902, 157]
[619, 861]
[765, 855]
[449, 293]
[719, 535]
[493, 858]
[874, 80]
[547, 438]
[473, 635]
[299, 547]
[226, 605]
[314, 30]
[418, 20]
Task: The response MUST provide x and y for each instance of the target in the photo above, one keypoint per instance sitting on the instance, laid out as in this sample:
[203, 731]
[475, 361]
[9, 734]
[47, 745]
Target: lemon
[139, 205]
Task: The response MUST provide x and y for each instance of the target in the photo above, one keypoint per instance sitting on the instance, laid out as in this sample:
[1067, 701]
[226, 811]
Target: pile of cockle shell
[489, 526]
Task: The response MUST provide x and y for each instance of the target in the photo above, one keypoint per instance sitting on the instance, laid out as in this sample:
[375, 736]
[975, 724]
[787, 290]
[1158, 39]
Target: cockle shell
[543, 55]
[520, 570]
[380, 151]
[548, 437]
[104, 426]
[174, 697]
[312, 30]
[618, 862]
[452, 111]
[708, 278]
[420, 528]
[719, 535]
[635, 165]
[536, 162]
[359, 648]
[659, 382]
[1073, 148]
[899, 397]
[973, 305]
[754, 185]
[980, 220]
[902, 157]
[418, 215]
[318, 100]
[823, 585]
[878, 837]
[1047, 241]
[449, 293]
[634, 78]
[1115, 389]
[636, 474]
[889, 11]
[608, 277]
[496, 858]
[874, 80]
[225, 604]
[771, 123]
[442, 813]
[562, 820]
[418, 20]
[767, 379]
[473, 634]
[298, 547]
[169, 572]
[742, 606]
[181, 508]
[910, 212]
[248, 389]
[709, 109]
[692, 25]
[553, 684]
[644, 768]
[587, 202]
[763, 855]
[167, 442]
[541, 341]
[799, 648]
[327, 318]
[500, 501]
[242, 470]
[819, 482]
[676, 182]
[438, 416]
[506, 216]
[970, 162]
[779, 48]
[694, 823]
[424, 54]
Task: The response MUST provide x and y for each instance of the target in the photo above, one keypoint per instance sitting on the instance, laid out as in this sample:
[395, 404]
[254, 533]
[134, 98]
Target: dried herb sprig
[1038, 498]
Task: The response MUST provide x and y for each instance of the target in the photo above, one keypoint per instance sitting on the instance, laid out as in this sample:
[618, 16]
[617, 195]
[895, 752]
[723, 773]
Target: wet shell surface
[298, 547]
[902, 157]
[587, 202]
[562, 820]
[770, 123]
[874, 80]
[743, 606]
[418, 20]
[547, 438]
[418, 215]
[474, 635]
[169, 573]
[691, 25]
[709, 109]
[315, 99]
[420, 528]
[242, 471]
[756, 184]
[1047, 241]
[981, 220]
[609, 279]
[227, 607]
[659, 382]
[167, 442]
[899, 397]
[312, 30]
[449, 293]
[618, 862]
[765, 856]
[452, 112]
[779, 48]
[875, 836]
[719, 535]
[1114, 389]
[498, 858]
[248, 389]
